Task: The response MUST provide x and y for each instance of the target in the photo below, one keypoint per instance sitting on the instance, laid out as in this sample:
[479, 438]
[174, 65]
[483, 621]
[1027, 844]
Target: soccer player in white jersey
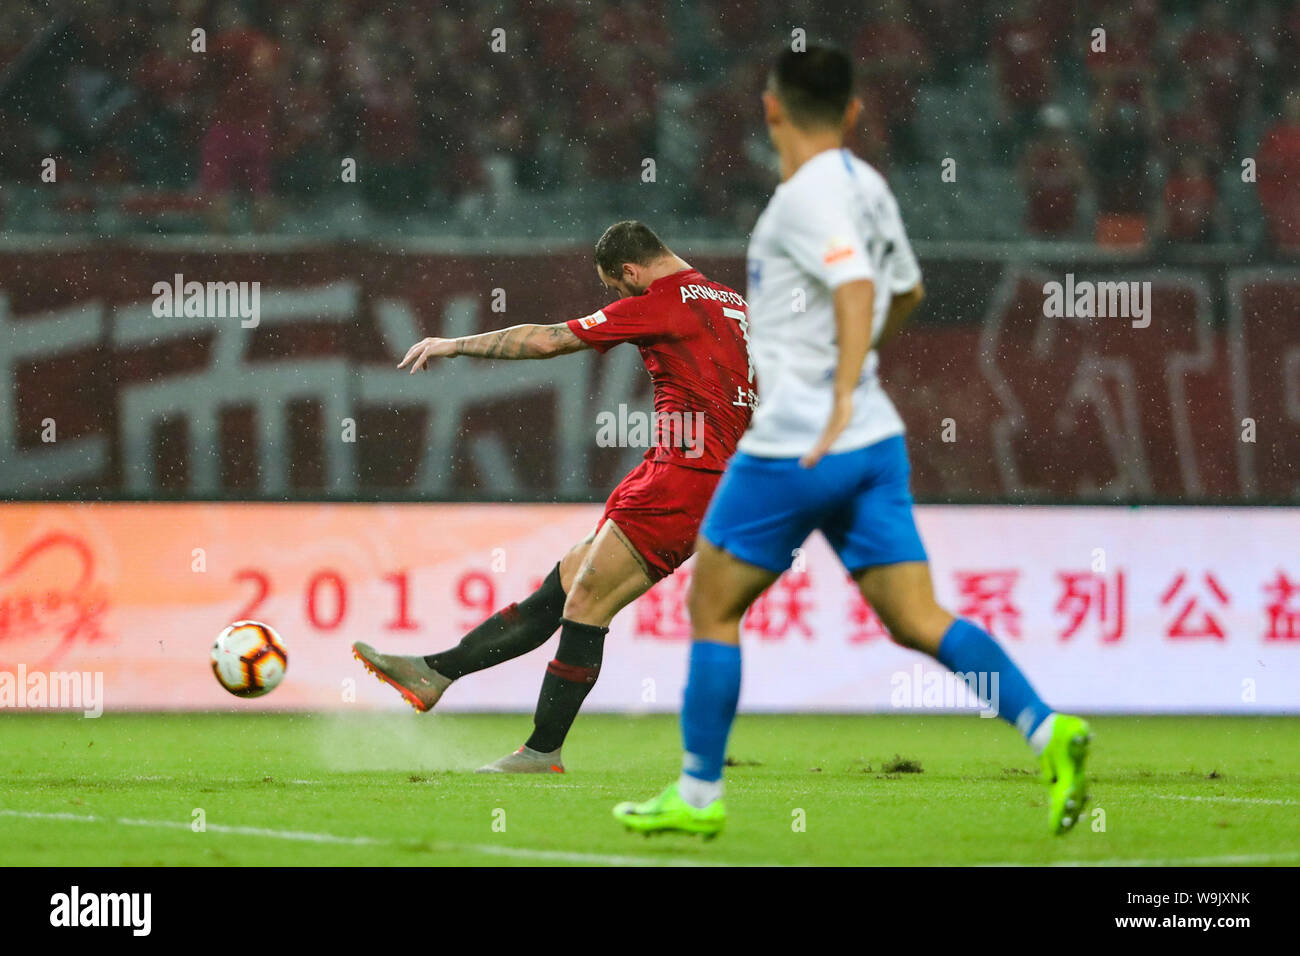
[825, 450]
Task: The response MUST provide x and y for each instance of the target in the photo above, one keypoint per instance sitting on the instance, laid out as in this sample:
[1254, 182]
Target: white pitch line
[600, 859]
[1242, 858]
[299, 835]
[523, 853]
[1262, 800]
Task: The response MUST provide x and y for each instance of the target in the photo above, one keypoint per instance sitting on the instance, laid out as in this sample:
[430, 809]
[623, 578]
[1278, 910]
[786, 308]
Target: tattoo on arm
[562, 340]
[521, 342]
[504, 344]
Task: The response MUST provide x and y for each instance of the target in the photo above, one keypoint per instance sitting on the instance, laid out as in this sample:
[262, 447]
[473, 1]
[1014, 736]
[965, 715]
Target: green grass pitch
[396, 789]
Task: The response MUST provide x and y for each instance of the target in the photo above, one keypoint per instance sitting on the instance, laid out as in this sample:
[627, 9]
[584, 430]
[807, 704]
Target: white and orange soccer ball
[249, 658]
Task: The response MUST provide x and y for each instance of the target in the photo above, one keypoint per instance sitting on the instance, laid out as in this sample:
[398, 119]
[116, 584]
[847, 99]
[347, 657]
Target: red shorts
[659, 506]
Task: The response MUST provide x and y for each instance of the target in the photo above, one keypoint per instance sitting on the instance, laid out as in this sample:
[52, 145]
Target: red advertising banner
[106, 389]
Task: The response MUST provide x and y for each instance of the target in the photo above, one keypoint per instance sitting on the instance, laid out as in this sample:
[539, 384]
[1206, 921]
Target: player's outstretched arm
[516, 342]
[854, 307]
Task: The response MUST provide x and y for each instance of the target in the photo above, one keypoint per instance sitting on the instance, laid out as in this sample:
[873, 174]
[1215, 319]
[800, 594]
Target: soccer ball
[249, 659]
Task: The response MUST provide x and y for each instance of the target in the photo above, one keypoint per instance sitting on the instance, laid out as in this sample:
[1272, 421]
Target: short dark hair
[627, 241]
[815, 86]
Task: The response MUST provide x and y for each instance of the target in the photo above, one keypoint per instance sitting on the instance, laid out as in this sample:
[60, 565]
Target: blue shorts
[765, 508]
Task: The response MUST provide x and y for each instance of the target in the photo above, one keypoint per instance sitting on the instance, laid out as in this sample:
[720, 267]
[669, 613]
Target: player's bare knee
[711, 612]
[699, 610]
[581, 600]
[571, 564]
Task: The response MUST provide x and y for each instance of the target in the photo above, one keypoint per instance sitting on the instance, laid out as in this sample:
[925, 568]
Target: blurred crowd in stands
[442, 104]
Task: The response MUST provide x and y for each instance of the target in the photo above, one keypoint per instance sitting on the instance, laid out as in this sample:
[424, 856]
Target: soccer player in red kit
[692, 334]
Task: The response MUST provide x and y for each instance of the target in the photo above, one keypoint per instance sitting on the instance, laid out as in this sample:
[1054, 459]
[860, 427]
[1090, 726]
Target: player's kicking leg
[612, 575]
[902, 595]
[509, 633]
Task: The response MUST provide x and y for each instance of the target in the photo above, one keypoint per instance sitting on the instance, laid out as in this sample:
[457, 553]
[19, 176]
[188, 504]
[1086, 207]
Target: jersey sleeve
[819, 235]
[904, 269]
[633, 319]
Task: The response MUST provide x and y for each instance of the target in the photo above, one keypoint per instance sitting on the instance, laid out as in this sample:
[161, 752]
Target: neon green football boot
[668, 812]
[1062, 762]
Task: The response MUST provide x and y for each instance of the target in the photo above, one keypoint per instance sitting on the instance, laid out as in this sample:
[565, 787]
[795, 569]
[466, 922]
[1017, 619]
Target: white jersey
[834, 221]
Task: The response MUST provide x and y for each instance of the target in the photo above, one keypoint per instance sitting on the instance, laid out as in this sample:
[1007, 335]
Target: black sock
[568, 680]
[507, 634]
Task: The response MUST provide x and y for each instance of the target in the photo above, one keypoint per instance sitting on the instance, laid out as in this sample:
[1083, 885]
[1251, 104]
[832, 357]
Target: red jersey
[692, 335]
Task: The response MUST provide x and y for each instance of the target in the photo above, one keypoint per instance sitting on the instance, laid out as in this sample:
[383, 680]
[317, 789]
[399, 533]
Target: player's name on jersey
[690, 292]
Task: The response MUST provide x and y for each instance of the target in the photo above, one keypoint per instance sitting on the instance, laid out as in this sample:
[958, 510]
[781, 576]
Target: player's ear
[851, 114]
[772, 111]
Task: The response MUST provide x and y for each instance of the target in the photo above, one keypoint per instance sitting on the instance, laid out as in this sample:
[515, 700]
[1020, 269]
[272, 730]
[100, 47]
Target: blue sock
[969, 651]
[708, 707]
